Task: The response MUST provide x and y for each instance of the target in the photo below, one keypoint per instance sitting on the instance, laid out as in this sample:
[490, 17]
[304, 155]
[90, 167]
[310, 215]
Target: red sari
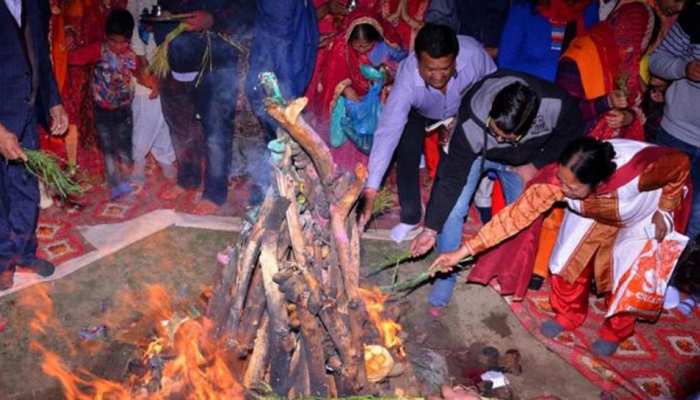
[340, 69]
[409, 16]
[608, 58]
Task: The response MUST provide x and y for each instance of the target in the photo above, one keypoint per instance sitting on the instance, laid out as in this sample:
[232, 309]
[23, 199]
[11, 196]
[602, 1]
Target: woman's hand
[446, 261]
[617, 99]
[659, 221]
[351, 94]
[619, 118]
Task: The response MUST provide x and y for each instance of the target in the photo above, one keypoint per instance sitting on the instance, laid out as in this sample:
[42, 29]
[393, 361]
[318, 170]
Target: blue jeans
[665, 139]
[215, 101]
[450, 237]
[114, 130]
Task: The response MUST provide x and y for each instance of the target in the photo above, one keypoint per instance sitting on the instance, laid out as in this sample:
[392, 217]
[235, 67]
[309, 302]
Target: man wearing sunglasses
[509, 123]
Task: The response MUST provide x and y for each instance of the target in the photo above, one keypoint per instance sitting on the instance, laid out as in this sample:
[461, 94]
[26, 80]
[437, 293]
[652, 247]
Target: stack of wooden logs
[288, 301]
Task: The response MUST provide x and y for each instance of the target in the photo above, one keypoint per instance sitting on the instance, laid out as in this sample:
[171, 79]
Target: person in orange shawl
[366, 40]
[620, 196]
[602, 69]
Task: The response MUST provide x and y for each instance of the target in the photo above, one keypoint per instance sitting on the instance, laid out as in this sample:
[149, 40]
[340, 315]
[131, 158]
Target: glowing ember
[374, 301]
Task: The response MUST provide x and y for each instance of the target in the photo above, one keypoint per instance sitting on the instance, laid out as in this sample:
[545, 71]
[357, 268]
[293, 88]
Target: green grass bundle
[411, 284]
[160, 67]
[383, 202]
[47, 167]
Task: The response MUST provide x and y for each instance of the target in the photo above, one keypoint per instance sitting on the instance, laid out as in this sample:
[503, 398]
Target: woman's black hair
[590, 160]
[515, 108]
[365, 32]
[120, 22]
[436, 41]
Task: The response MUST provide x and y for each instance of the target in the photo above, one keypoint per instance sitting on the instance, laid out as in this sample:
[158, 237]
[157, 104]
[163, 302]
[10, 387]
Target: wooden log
[305, 136]
[246, 263]
[299, 373]
[259, 360]
[339, 214]
[244, 337]
[312, 336]
[220, 302]
[280, 336]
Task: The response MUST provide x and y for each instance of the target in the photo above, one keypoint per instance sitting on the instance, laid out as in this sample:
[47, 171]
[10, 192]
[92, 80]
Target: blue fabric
[285, 42]
[450, 238]
[665, 139]
[382, 52]
[357, 120]
[526, 42]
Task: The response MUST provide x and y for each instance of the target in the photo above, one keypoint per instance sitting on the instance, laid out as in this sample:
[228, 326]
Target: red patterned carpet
[661, 361]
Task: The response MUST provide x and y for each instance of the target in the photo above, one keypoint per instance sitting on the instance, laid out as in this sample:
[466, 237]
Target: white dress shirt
[15, 7]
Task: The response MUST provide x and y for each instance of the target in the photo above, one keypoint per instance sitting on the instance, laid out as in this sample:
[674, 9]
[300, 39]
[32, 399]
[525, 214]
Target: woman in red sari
[365, 40]
[602, 68]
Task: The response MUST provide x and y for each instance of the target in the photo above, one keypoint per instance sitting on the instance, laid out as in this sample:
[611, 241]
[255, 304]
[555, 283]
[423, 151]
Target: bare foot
[205, 207]
[173, 193]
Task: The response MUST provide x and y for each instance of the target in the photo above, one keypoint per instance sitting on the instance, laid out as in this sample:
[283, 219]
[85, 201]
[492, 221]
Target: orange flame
[374, 301]
[196, 365]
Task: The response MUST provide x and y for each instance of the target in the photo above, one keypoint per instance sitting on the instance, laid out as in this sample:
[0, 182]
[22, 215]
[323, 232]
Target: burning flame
[374, 301]
[181, 358]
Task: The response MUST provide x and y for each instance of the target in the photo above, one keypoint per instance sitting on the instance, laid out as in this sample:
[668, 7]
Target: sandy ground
[182, 261]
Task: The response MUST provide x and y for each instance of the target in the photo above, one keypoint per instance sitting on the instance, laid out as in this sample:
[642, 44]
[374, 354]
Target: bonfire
[287, 317]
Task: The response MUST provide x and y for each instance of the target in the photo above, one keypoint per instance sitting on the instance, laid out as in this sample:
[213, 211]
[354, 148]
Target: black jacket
[558, 122]
[16, 74]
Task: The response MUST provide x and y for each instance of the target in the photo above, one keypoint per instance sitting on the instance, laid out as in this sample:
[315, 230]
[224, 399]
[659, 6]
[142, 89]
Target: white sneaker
[672, 298]
[401, 232]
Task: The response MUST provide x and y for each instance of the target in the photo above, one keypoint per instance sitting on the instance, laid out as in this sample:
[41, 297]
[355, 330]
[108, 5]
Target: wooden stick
[252, 316]
[277, 311]
[246, 263]
[308, 139]
[260, 357]
[220, 302]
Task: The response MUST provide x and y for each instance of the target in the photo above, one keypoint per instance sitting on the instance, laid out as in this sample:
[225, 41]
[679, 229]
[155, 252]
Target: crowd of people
[578, 115]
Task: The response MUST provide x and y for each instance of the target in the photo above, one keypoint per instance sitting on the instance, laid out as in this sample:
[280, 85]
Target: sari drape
[608, 58]
[341, 69]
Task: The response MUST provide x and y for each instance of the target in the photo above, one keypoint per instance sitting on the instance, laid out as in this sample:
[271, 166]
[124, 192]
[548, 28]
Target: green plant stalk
[391, 261]
[160, 67]
[410, 284]
[383, 202]
[46, 167]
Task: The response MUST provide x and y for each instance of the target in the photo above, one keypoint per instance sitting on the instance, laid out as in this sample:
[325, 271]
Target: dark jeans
[408, 155]
[114, 129]
[177, 100]
[215, 101]
[19, 199]
[665, 139]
